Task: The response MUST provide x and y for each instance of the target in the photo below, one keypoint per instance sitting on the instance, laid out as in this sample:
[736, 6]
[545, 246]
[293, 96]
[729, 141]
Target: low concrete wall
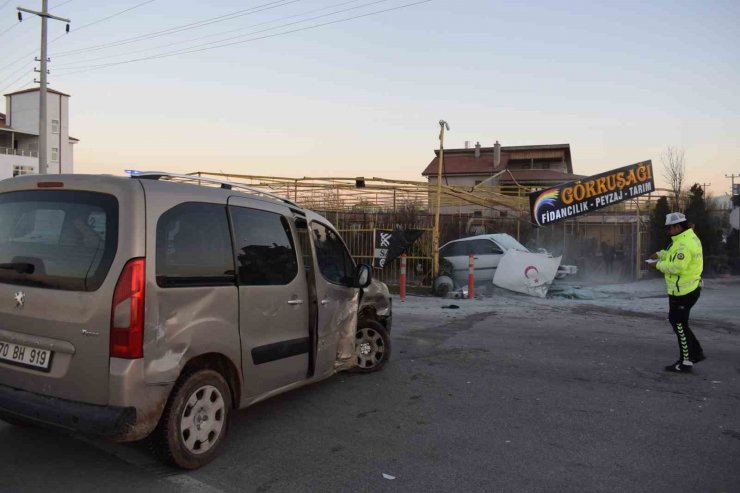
[8, 161]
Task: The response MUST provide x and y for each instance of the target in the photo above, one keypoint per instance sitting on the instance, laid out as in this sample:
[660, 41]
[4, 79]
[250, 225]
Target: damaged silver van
[156, 305]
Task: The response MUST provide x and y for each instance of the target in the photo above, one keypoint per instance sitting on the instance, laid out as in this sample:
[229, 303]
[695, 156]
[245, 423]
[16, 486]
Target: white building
[19, 134]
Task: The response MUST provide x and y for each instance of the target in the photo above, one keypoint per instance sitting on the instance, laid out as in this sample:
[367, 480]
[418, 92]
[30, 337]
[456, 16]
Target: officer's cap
[674, 218]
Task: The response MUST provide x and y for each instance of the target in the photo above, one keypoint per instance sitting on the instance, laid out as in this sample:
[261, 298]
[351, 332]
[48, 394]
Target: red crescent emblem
[531, 268]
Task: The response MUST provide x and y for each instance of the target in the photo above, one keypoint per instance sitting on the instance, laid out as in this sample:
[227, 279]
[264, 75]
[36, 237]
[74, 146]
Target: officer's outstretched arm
[674, 262]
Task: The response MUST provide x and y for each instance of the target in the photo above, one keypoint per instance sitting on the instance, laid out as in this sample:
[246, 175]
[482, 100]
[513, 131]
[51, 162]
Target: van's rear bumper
[104, 421]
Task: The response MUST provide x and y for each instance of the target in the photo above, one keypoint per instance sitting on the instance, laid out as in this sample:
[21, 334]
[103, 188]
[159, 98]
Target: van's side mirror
[363, 276]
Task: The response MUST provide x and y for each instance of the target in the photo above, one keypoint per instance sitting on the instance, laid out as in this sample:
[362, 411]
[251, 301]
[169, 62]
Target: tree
[658, 237]
[696, 213]
[674, 172]
[732, 245]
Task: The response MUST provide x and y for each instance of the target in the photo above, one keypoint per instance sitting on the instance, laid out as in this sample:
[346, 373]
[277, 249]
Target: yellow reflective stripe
[668, 267]
[688, 284]
[684, 345]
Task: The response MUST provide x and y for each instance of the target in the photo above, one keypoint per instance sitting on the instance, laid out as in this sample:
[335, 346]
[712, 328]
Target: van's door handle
[295, 302]
[324, 302]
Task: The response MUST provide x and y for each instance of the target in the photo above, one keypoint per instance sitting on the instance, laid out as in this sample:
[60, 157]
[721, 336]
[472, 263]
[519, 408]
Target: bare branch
[674, 172]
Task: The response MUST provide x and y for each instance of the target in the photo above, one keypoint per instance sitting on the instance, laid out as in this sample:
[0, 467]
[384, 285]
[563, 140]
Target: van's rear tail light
[127, 312]
[50, 184]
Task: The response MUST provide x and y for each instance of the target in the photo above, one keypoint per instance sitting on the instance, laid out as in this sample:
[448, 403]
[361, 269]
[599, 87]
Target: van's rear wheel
[195, 421]
[372, 346]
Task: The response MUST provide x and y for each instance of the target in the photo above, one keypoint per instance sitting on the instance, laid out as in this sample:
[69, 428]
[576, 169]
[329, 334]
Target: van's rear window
[58, 239]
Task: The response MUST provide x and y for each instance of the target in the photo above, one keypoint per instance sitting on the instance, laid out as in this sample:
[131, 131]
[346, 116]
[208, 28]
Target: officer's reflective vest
[682, 263]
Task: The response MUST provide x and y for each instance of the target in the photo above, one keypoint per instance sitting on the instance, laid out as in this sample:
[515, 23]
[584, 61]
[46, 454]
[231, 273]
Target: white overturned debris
[526, 272]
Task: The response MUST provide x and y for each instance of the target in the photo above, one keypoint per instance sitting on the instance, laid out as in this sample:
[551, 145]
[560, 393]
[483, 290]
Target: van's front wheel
[372, 346]
[195, 421]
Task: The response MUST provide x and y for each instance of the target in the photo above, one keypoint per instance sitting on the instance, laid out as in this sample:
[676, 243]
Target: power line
[2, 91]
[7, 30]
[23, 86]
[105, 57]
[61, 4]
[58, 37]
[196, 49]
[23, 68]
[108, 17]
[169, 45]
[12, 26]
[183, 27]
[16, 23]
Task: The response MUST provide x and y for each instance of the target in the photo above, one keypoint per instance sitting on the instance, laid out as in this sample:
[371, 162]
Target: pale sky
[618, 81]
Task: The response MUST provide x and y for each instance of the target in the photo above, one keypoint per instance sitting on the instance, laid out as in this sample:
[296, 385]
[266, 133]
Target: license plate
[30, 357]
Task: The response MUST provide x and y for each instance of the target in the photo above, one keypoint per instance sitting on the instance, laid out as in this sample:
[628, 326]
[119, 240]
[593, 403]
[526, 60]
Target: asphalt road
[512, 398]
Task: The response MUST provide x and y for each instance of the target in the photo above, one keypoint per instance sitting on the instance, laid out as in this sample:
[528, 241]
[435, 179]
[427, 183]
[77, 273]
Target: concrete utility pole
[44, 14]
[732, 194]
[732, 177]
[704, 187]
[435, 234]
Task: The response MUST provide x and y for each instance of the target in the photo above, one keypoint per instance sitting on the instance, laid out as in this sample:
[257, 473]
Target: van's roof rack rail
[229, 185]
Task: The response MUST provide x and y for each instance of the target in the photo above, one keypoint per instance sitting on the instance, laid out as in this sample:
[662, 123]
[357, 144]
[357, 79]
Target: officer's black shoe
[680, 367]
[698, 357]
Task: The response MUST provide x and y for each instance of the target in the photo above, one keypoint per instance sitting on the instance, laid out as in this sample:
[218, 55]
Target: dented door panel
[273, 297]
[187, 316]
[190, 321]
[337, 299]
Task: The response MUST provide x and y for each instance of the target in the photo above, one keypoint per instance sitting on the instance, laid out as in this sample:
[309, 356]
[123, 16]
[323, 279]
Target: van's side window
[194, 246]
[265, 252]
[335, 262]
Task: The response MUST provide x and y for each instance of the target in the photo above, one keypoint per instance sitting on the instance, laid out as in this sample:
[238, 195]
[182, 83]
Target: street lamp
[435, 233]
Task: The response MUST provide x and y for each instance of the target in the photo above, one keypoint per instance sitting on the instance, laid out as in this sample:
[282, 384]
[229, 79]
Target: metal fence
[358, 206]
[18, 152]
[602, 250]
[418, 260]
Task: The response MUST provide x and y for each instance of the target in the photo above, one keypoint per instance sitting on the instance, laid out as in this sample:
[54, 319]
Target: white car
[487, 251]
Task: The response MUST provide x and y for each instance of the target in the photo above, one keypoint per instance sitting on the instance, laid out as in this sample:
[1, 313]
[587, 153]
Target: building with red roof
[508, 169]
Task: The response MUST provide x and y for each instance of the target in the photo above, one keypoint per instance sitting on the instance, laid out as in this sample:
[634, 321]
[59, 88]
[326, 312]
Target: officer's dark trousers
[678, 314]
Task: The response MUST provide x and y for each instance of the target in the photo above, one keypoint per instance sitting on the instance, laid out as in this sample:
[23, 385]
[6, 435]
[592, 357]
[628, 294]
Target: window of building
[265, 252]
[19, 170]
[335, 262]
[54, 154]
[194, 246]
[55, 126]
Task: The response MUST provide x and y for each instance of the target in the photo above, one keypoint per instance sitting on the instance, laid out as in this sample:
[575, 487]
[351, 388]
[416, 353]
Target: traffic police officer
[682, 265]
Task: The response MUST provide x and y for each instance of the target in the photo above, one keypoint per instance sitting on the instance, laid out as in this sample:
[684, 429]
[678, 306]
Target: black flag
[389, 245]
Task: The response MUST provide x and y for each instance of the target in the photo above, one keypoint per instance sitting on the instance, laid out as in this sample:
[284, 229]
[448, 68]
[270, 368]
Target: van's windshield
[58, 239]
